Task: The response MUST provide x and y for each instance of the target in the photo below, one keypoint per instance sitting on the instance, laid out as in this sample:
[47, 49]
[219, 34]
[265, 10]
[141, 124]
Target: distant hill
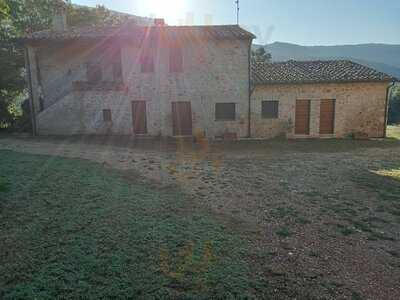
[383, 57]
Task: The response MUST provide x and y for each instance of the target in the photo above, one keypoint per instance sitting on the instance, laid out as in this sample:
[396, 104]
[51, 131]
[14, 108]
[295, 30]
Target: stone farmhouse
[159, 80]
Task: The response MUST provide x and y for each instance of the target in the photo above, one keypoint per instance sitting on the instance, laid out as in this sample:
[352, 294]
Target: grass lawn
[315, 219]
[74, 229]
[393, 132]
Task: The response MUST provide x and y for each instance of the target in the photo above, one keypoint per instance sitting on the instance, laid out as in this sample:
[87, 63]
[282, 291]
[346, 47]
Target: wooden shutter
[94, 73]
[302, 122]
[147, 62]
[182, 118]
[327, 117]
[175, 59]
[139, 117]
[107, 115]
[225, 111]
[270, 109]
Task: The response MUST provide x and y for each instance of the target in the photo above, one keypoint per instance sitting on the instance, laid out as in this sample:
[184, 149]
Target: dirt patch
[327, 222]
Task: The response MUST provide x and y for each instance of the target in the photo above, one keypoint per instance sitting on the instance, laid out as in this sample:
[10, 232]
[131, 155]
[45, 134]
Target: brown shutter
[147, 61]
[139, 117]
[94, 73]
[302, 122]
[327, 117]
[175, 59]
[182, 118]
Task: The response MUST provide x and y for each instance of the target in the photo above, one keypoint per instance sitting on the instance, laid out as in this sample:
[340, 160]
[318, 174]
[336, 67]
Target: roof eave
[258, 83]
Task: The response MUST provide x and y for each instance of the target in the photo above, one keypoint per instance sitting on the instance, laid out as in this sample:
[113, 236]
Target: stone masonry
[360, 108]
[213, 71]
[216, 69]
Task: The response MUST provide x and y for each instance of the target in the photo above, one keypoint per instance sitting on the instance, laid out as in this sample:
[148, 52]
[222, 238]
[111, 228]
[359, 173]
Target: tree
[4, 9]
[18, 17]
[11, 60]
[394, 106]
[260, 55]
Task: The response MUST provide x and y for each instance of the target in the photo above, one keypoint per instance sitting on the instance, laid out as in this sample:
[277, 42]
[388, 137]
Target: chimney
[60, 17]
[159, 22]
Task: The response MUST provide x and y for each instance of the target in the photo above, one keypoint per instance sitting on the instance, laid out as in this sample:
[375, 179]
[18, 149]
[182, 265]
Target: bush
[394, 107]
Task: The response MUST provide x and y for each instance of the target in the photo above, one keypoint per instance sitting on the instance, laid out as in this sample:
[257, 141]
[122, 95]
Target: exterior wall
[360, 108]
[214, 71]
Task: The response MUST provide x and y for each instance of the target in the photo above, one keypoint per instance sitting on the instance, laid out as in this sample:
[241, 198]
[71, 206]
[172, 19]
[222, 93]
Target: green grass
[73, 229]
[385, 185]
[393, 132]
[4, 185]
[283, 232]
[283, 212]
[345, 230]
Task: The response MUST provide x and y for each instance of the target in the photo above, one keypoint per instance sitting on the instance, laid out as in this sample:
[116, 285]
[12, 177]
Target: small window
[117, 72]
[41, 103]
[107, 115]
[270, 109]
[175, 60]
[94, 73]
[147, 63]
[225, 111]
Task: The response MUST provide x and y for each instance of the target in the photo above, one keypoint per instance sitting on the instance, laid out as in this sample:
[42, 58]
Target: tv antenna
[237, 11]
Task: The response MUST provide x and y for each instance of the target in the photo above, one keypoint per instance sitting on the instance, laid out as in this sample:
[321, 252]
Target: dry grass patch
[393, 132]
[394, 173]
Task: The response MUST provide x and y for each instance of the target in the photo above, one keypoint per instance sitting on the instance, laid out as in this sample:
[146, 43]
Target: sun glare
[170, 10]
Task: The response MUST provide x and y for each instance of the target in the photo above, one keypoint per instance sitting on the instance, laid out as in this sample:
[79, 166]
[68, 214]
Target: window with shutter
[107, 115]
[94, 73]
[175, 60]
[117, 72]
[147, 62]
[270, 109]
[225, 111]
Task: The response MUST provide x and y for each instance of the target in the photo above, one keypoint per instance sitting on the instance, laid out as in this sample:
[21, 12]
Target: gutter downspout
[249, 93]
[388, 94]
[31, 103]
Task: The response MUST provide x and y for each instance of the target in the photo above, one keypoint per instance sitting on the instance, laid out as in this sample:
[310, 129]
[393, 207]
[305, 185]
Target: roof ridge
[130, 30]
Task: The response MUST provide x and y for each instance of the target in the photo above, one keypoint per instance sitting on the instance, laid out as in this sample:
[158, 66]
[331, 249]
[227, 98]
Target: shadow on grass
[385, 182]
[384, 211]
[73, 229]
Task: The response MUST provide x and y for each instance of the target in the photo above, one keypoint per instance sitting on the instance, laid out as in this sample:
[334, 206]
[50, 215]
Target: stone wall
[214, 71]
[360, 108]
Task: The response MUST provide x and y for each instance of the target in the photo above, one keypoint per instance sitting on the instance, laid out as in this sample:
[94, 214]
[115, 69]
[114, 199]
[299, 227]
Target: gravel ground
[326, 220]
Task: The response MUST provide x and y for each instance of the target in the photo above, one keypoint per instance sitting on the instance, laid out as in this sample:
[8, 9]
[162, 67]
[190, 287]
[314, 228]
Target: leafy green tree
[98, 16]
[260, 55]
[4, 9]
[11, 60]
[394, 106]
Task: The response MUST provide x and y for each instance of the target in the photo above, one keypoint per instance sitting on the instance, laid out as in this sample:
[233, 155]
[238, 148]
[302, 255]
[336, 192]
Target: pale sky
[305, 22]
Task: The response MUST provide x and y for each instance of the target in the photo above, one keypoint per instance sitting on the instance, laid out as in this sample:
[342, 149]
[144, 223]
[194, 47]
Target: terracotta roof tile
[314, 72]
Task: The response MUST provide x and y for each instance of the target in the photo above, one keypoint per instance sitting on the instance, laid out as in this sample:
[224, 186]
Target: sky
[304, 22]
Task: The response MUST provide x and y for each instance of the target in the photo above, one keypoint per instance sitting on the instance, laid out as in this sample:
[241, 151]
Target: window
[147, 62]
[117, 71]
[94, 73]
[107, 115]
[225, 111]
[175, 60]
[270, 109]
